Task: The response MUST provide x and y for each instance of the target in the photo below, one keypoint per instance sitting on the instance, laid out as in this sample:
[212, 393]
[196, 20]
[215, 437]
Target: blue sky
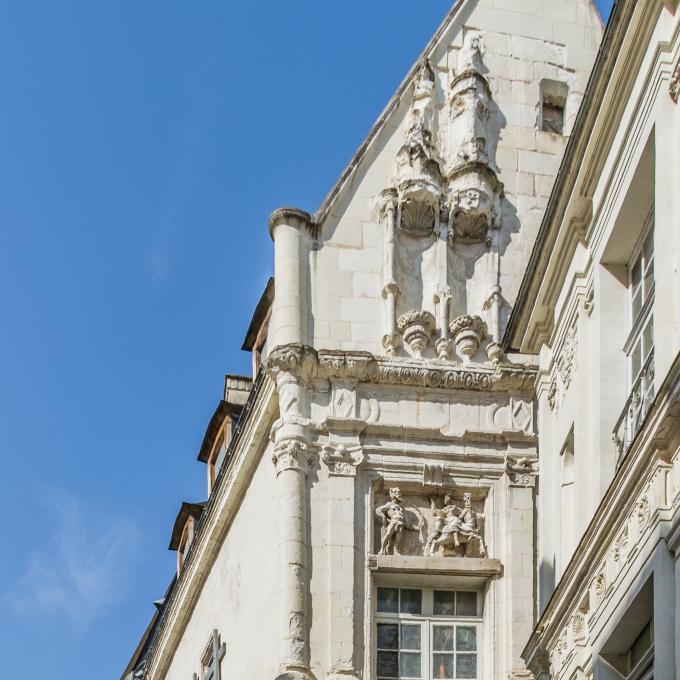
[142, 147]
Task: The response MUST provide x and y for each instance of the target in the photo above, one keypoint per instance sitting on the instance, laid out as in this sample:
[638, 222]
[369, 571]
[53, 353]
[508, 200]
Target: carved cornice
[294, 217]
[307, 363]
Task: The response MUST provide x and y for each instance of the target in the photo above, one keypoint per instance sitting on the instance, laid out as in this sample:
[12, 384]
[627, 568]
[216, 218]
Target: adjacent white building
[456, 457]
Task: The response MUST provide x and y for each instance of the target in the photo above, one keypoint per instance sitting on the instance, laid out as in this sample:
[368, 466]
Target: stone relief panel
[414, 523]
[564, 368]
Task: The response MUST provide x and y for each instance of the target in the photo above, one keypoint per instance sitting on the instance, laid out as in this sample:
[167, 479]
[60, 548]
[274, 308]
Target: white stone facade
[435, 410]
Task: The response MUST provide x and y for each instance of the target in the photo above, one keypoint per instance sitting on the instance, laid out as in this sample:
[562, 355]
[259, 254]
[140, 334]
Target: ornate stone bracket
[520, 472]
[342, 460]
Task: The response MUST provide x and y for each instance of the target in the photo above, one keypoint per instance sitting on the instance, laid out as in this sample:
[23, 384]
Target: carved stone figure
[392, 517]
[455, 527]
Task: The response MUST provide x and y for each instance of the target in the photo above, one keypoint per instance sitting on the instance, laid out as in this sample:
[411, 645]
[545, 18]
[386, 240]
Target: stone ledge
[450, 566]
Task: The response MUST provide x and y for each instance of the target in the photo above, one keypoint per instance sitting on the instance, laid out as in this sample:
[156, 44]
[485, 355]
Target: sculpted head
[467, 499]
[395, 494]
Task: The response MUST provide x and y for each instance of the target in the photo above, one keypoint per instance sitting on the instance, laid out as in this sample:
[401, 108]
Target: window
[553, 101]
[211, 658]
[641, 655]
[185, 543]
[567, 501]
[427, 634]
[640, 344]
[641, 286]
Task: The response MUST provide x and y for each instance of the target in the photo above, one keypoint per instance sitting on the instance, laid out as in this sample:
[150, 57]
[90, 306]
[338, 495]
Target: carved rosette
[292, 454]
[468, 331]
[417, 327]
[341, 460]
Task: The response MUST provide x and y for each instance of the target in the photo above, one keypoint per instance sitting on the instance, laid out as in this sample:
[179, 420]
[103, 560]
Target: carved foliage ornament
[292, 454]
[565, 368]
[674, 85]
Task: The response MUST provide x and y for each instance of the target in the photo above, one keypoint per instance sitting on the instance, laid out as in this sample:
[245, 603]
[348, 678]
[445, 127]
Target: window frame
[639, 322]
[427, 620]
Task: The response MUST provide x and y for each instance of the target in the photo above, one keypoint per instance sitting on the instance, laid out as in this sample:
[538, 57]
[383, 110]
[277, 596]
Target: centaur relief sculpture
[455, 528]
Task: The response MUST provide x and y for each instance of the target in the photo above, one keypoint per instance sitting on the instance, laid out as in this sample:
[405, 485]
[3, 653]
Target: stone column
[342, 460]
[288, 365]
[519, 569]
[391, 339]
[289, 311]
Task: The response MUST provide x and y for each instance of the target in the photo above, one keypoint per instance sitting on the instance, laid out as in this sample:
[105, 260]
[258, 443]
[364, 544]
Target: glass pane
[442, 666]
[466, 666]
[648, 247]
[411, 601]
[444, 602]
[388, 636]
[636, 305]
[466, 639]
[466, 603]
[388, 664]
[635, 362]
[388, 600]
[410, 636]
[649, 280]
[648, 339]
[409, 665]
[442, 638]
[636, 273]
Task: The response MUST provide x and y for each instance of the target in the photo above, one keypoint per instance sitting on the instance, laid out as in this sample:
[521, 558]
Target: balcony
[635, 410]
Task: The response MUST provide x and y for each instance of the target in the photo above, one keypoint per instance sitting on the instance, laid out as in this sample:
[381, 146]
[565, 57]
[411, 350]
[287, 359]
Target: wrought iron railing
[635, 410]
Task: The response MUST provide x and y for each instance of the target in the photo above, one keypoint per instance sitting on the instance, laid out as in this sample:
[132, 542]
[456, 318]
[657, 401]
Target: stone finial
[468, 331]
[417, 327]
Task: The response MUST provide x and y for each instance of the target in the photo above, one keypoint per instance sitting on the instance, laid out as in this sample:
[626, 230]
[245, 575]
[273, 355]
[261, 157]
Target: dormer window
[184, 530]
[553, 102]
[184, 543]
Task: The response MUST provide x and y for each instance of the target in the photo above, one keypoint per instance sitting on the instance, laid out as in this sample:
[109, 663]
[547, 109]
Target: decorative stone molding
[473, 189]
[297, 359]
[589, 301]
[468, 332]
[365, 367]
[418, 176]
[674, 85]
[291, 455]
[417, 327]
[341, 460]
[520, 472]
[564, 369]
[293, 217]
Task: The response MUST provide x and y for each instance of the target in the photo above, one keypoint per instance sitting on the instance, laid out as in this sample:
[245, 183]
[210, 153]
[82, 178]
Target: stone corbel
[520, 472]
[342, 460]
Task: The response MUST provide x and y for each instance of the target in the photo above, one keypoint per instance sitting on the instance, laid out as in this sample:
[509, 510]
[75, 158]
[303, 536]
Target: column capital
[293, 217]
[291, 454]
